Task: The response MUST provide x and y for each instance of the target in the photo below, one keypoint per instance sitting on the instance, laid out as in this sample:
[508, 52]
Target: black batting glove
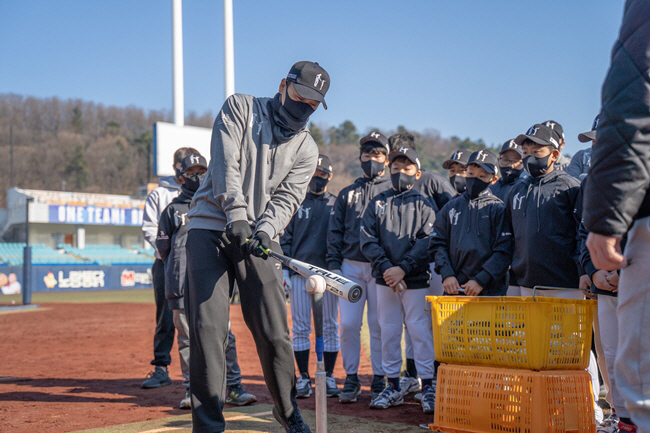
[259, 239]
[238, 232]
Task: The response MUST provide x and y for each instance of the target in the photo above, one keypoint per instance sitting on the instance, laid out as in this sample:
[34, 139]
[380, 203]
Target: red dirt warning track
[70, 367]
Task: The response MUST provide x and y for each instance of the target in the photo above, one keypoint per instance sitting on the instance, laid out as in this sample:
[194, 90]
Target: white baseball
[316, 284]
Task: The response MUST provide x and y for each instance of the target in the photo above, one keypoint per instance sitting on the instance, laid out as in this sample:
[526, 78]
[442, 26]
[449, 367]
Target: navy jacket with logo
[540, 211]
[345, 223]
[170, 243]
[306, 234]
[471, 240]
[395, 232]
[502, 189]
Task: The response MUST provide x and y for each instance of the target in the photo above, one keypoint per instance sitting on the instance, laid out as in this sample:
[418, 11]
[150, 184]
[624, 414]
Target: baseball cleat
[351, 389]
[377, 386]
[186, 403]
[332, 389]
[159, 377]
[238, 396]
[408, 384]
[428, 401]
[387, 398]
[303, 386]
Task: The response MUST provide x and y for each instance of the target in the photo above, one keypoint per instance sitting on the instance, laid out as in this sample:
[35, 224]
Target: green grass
[106, 296]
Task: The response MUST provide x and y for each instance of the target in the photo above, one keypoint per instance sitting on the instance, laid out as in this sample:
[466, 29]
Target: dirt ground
[68, 367]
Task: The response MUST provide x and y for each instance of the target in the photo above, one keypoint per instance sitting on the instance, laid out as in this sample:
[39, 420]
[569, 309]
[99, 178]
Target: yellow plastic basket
[499, 400]
[513, 332]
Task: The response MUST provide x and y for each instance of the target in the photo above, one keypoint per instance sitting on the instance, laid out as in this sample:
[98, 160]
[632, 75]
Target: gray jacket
[563, 162]
[156, 202]
[251, 177]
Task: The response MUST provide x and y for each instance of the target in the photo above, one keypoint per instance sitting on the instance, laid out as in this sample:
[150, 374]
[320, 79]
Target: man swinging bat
[262, 160]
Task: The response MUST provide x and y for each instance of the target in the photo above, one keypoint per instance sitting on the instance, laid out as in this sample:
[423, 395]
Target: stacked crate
[513, 364]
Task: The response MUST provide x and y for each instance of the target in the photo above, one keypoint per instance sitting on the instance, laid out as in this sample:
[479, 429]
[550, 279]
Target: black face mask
[285, 123]
[372, 168]
[510, 174]
[318, 184]
[537, 166]
[193, 182]
[402, 181]
[475, 187]
[459, 183]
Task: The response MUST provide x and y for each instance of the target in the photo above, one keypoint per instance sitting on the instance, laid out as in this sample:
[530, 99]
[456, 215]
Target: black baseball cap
[193, 160]
[511, 145]
[486, 160]
[324, 164]
[310, 80]
[557, 129]
[376, 137]
[540, 134]
[460, 156]
[584, 137]
[407, 152]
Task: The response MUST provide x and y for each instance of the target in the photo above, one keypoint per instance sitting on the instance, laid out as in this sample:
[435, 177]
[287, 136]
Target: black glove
[260, 239]
[238, 232]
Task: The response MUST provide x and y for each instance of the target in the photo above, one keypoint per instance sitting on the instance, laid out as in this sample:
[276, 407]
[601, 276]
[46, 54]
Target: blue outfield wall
[70, 277]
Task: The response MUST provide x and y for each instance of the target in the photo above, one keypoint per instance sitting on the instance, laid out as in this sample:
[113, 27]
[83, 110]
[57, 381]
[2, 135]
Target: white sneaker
[408, 384]
[186, 402]
[331, 389]
[609, 425]
[388, 397]
[598, 412]
[303, 386]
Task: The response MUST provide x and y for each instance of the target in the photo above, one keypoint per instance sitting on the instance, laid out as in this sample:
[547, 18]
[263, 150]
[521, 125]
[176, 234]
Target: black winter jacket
[540, 211]
[306, 234]
[436, 188]
[170, 243]
[345, 222]
[471, 240]
[619, 188]
[395, 232]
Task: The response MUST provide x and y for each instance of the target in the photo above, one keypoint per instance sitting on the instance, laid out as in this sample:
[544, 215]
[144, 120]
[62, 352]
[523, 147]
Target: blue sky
[479, 69]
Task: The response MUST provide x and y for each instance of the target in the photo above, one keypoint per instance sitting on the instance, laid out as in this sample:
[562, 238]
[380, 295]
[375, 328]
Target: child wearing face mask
[344, 256]
[511, 168]
[303, 239]
[540, 210]
[394, 238]
[471, 242]
[170, 243]
[457, 166]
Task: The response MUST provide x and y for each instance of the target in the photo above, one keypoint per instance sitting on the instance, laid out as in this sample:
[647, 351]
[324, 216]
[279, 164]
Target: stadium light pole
[228, 50]
[177, 60]
[27, 258]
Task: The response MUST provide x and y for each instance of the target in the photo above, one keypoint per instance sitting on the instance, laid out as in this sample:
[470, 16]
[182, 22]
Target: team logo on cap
[195, 159]
[481, 156]
[317, 80]
[512, 144]
[532, 130]
[375, 135]
[403, 149]
[457, 154]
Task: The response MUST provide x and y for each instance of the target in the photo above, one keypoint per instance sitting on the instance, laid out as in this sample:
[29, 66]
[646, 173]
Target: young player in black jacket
[170, 243]
[471, 242]
[541, 212]
[303, 240]
[394, 237]
[344, 256]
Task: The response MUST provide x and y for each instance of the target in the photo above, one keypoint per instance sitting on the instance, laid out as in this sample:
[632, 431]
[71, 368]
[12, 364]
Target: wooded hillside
[84, 146]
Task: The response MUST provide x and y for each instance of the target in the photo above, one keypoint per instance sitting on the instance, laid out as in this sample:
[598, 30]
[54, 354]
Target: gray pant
[233, 373]
[213, 265]
[632, 368]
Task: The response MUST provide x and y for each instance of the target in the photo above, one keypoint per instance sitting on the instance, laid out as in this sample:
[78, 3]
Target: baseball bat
[334, 283]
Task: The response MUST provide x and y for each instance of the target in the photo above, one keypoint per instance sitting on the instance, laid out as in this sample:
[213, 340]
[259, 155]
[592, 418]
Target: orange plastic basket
[472, 399]
[512, 332]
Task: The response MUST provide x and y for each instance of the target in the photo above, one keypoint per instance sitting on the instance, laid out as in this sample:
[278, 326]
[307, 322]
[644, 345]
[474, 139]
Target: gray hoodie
[251, 177]
[156, 202]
